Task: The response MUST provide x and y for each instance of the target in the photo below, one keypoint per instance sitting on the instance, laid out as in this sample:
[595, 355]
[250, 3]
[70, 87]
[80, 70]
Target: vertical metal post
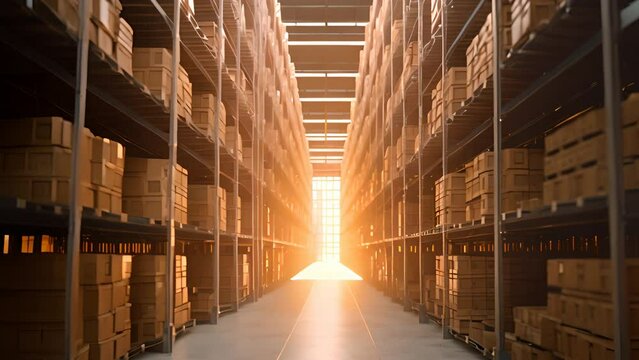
[406, 301]
[610, 30]
[444, 120]
[500, 351]
[167, 344]
[256, 94]
[236, 191]
[216, 178]
[72, 281]
[420, 124]
[393, 163]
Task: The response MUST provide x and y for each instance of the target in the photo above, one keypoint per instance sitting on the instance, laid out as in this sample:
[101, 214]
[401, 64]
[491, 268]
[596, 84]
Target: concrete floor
[318, 320]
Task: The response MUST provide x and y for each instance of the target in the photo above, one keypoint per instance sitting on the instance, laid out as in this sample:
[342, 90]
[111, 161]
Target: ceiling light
[326, 43]
[329, 121]
[327, 99]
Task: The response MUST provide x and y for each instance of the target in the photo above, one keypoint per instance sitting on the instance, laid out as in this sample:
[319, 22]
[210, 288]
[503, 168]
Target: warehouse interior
[312, 179]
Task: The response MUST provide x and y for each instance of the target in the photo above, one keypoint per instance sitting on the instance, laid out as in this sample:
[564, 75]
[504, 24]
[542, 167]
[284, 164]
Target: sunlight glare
[327, 270]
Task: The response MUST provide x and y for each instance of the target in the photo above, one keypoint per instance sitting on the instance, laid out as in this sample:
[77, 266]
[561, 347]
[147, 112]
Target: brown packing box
[100, 268]
[104, 350]
[527, 15]
[67, 11]
[148, 265]
[28, 340]
[44, 190]
[122, 344]
[120, 292]
[98, 328]
[522, 351]
[182, 314]
[122, 318]
[42, 131]
[589, 274]
[142, 331]
[147, 289]
[124, 47]
[98, 299]
[37, 272]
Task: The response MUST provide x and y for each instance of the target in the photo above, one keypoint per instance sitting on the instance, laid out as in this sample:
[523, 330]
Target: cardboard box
[100, 328]
[148, 265]
[122, 344]
[122, 318]
[120, 292]
[39, 131]
[100, 268]
[103, 350]
[98, 299]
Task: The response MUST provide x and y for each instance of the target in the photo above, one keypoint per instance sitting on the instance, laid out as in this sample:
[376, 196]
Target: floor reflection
[321, 270]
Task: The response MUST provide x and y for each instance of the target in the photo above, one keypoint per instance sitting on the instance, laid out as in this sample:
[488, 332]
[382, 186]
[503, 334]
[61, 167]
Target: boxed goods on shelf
[148, 300]
[405, 145]
[145, 189]
[575, 161]
[204, 108]
[521, 181]
[226, 277]
[449, 204]
[107, 311]
[200, 203]
[105, 24]
[124, 47]
[471, 287]
[67, 12]
[209, 28]
[35, 163]
[527, 15]
[182, 306]
[234, 215]
[479, 55]
[152, 67]
[33, 306]
[233, 142]
[452, 95]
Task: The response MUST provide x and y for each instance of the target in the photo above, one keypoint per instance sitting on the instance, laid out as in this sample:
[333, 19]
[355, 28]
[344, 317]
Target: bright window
[326, 212]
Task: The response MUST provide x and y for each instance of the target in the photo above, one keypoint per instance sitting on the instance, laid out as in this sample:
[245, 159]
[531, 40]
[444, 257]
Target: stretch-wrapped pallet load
[35, 164]
[575, 161]
[201, 202]
[145, 190]
[204, 110]
[148, 301]
[577, 322]
[152, 67]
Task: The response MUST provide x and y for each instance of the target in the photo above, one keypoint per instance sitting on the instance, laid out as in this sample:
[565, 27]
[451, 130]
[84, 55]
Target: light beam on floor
[327, 270]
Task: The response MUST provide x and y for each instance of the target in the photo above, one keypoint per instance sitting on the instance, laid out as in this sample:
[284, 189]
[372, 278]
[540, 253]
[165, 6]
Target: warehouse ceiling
[325, 38]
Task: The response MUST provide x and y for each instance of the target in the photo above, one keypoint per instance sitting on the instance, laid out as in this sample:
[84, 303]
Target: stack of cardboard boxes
[35, 160]
[450, 199]
[182, 311]
[452, 95]
[522, 177]
[152, 67]
[233, 142]
[234, 216]
[148, 301]
[578, 321]
[479, 54]
[200, 202]
[576, 164]
[107, 311]
[471, 290]
[201, 282]
[107, 171]
[123, 47]
[35, 164]
[226, 277]
[527, 15]
[204, 107]
[105, 24]
[471, 295]
[32, 309]
[405, 146]
[411, 60]
[145, 191]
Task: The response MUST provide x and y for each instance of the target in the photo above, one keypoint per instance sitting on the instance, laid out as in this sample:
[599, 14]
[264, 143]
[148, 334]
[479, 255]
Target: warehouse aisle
[318, 320]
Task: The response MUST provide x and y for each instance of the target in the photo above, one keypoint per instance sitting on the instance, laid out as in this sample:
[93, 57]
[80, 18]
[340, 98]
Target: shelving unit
[39, 51]
[554, 73]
